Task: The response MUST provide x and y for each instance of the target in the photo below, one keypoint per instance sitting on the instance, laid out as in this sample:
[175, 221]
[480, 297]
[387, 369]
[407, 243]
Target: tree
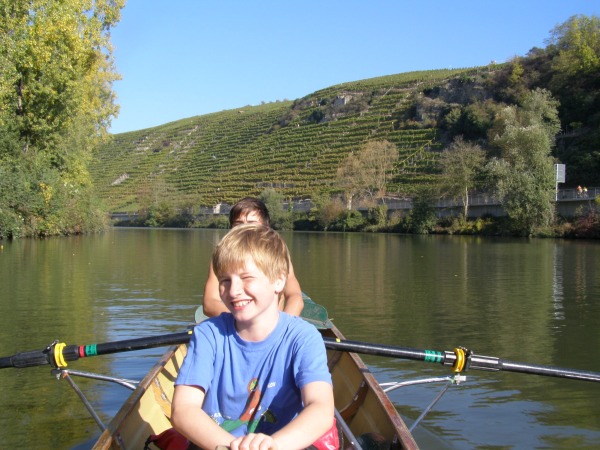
[524, 176]
[56, 102]
[578, 44]
[349, 178]
[280, 218]
[461, 166]
[368, 171]
[60, 69]
[422, 217]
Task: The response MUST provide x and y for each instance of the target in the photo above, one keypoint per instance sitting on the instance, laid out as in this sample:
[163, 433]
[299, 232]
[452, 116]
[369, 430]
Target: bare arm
[294, 304]
[212, 304]
[315, 419]
[190, 420]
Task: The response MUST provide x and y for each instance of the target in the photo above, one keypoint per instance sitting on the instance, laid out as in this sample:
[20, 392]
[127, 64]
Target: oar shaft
[448, 358]
[366, 348]
[58, 354]
[537, 369]
[139, 343]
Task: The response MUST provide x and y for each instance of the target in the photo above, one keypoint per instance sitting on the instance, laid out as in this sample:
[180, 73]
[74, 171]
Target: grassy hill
[294, 147]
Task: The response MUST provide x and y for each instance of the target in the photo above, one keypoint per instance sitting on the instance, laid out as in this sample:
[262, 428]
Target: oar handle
[54, 354]
[24, 359]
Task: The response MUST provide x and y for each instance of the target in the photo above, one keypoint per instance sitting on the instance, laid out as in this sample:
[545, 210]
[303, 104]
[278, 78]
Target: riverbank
[377, 220]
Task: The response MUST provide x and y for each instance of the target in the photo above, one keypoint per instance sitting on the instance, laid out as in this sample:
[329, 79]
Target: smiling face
[251, 263]
[250, 295]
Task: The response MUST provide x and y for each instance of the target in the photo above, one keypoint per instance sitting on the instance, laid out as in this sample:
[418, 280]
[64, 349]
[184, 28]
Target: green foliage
[578, 44]
[422, 217]
[59, 69]
[327, 213]
[471, 121]
[458, 225]
[525, 174]
[280, 218]
[158, 214]
[377, 215]
[56, 102]
[348, 220]
[36, 201]
[219, 221]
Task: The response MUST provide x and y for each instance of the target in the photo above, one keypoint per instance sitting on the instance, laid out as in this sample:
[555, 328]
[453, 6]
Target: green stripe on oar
[466, 359]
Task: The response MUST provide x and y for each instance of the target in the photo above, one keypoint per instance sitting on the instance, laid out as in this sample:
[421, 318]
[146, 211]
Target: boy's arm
[294, 304]
[212, 304]
[190, 420]
[315, 419]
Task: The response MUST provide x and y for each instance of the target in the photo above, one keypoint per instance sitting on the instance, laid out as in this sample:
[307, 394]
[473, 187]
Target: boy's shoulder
[223, 322]
[297, 324]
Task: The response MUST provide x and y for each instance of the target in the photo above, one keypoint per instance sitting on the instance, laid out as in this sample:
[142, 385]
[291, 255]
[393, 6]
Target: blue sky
[183, 58]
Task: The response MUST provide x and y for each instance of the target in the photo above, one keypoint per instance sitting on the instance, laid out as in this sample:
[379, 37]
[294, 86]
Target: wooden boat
[362, 407]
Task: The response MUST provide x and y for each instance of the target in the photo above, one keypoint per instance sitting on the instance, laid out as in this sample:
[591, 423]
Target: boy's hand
[254, 442]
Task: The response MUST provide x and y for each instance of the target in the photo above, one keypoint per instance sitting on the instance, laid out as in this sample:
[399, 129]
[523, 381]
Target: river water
[532, 301]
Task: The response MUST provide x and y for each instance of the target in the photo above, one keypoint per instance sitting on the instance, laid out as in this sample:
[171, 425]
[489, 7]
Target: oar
[57, 355]
[461, 359]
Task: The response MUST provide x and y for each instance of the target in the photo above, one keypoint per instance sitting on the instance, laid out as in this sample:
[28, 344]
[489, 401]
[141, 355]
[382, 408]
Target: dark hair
[247, 205]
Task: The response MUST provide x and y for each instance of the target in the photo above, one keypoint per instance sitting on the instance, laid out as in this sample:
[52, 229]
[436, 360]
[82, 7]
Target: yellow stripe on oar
[459, 364]
[59, 358]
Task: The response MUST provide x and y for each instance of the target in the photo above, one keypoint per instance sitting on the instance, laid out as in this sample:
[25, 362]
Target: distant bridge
[569, 203]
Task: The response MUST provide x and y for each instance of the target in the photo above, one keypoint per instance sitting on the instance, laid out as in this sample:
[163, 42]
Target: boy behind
[256, 377]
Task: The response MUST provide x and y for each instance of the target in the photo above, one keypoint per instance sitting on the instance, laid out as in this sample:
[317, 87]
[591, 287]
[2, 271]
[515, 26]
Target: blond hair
[262, 244]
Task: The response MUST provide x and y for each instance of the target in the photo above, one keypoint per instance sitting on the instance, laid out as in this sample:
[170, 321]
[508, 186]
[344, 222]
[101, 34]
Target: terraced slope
[294, 147]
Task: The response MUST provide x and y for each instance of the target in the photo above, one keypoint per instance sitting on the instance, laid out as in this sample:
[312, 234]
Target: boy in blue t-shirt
[255, 377]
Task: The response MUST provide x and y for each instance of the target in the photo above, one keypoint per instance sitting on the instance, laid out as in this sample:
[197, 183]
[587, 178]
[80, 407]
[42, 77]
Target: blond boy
[257, 377]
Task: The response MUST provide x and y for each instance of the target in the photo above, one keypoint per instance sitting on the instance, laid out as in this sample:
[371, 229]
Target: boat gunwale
[391, 412]
[107, 438]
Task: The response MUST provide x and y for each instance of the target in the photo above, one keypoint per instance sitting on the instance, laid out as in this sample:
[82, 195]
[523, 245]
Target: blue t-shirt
[254, 387]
